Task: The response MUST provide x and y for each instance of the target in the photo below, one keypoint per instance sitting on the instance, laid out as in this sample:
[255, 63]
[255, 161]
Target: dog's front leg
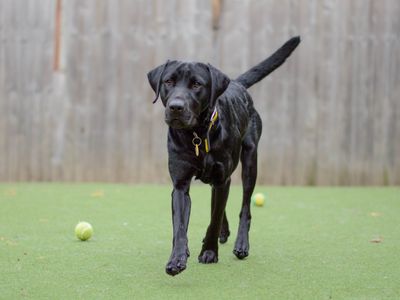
[180, 218]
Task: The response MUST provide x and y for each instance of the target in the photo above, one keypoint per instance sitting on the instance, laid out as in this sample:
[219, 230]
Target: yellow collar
[196, 141]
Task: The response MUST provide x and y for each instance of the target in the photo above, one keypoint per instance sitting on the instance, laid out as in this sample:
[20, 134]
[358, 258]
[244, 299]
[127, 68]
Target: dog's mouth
[184, 122]
[176, 124]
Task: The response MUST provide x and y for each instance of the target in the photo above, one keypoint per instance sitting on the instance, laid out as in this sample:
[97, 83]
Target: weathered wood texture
[331, 114]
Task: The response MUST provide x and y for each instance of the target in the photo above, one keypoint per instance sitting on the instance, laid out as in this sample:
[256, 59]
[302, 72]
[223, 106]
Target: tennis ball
[258, 199]
[83, 231]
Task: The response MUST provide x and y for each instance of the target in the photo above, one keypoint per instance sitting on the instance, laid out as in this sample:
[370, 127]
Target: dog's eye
[196, 85]
[169, 82]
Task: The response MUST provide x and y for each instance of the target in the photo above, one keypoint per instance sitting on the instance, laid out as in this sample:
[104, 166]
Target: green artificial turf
[306, 243]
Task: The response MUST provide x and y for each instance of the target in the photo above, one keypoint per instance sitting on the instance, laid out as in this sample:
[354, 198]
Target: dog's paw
[223, 236]
[176, 265]
[241, 249]
[241, 253]
[208, 257]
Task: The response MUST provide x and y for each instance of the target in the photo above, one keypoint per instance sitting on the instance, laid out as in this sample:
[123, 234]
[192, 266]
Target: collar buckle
[196, 141]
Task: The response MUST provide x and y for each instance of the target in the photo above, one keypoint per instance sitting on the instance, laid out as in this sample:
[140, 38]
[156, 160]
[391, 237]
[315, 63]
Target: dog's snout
[176, 105]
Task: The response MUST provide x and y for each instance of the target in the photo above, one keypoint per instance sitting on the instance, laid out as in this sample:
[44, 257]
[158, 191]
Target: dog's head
[188, 91]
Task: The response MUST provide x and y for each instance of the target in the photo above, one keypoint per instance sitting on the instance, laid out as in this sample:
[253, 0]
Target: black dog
[212, 124]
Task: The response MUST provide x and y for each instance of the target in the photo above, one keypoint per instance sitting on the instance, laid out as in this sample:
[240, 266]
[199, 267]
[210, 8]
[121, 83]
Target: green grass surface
[306, 243]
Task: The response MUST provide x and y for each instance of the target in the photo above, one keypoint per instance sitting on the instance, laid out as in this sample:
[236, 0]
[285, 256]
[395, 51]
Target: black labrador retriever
[212, 124]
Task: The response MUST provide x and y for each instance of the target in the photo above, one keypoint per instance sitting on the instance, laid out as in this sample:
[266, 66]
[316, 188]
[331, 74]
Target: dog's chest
[212, 170]
[217, 165]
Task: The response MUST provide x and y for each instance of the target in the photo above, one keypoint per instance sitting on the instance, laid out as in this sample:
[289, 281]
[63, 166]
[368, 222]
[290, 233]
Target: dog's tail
[267, 66]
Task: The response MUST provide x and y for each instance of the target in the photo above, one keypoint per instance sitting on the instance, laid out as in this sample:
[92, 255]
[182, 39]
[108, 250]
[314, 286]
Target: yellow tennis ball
[258, 199]
[83, 231]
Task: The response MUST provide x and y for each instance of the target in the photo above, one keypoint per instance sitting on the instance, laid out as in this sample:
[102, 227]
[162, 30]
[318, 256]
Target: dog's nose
[176, 105]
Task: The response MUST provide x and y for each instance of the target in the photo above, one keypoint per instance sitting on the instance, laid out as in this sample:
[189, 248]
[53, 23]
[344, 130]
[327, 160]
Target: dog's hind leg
[224, 233]
[209, 251]
[249, 175]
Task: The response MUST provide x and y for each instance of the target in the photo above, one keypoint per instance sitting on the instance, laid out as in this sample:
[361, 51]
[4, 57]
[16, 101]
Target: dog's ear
[155, 78]
[219, 83]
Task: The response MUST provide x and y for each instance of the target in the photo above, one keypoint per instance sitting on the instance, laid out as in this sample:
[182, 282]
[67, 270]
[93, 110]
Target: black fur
[190, 93]
[267, 66]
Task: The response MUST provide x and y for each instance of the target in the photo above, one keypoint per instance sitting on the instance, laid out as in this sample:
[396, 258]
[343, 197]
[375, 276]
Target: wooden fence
[75, 104]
